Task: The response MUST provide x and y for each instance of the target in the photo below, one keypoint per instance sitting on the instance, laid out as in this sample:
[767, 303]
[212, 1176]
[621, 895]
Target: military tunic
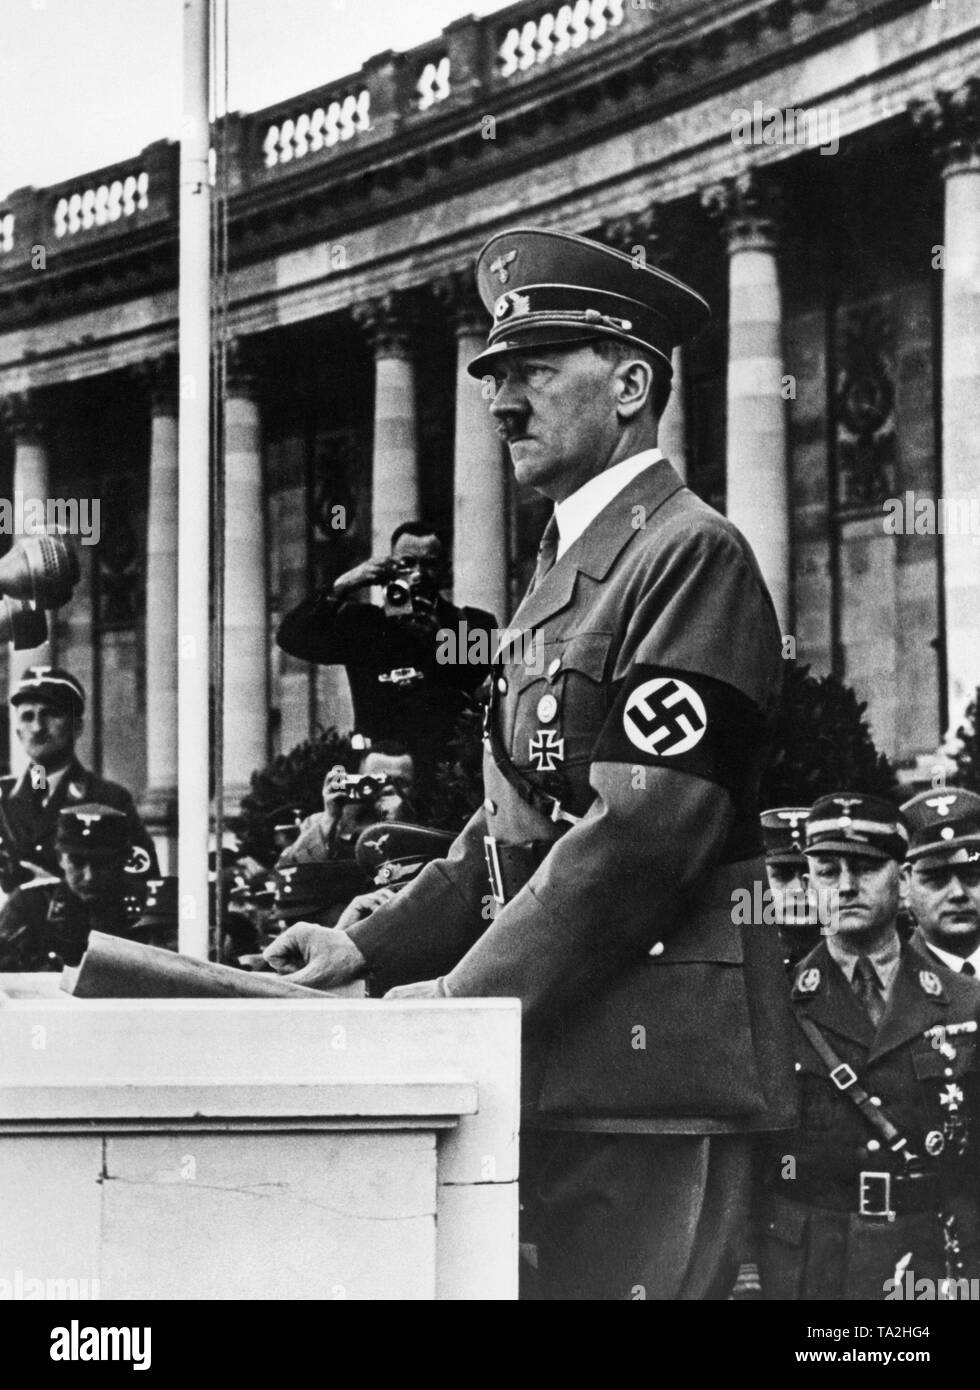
[816, 1243]
[44, 926]
[27, 829]
[639, 698]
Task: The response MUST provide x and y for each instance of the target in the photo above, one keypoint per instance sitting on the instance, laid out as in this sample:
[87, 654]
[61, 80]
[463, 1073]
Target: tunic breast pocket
[560, 704]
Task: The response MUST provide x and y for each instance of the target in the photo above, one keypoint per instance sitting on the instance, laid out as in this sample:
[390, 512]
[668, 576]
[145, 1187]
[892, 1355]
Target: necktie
[547, 550]
[967, 968]
[867, 990]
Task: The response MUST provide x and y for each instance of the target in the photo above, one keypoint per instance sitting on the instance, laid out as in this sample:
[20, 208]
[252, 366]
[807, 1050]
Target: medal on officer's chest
[954, 1126]
[546, 750]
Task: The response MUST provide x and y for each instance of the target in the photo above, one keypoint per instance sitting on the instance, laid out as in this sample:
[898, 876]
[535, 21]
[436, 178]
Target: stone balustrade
[471, 56]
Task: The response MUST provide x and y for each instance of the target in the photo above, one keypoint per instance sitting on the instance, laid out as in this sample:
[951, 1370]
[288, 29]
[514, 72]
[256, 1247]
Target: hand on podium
[318, 957]
[422, 989]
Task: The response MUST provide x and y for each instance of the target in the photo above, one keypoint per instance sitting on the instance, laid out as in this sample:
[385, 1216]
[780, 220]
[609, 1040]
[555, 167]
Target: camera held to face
[409, 592]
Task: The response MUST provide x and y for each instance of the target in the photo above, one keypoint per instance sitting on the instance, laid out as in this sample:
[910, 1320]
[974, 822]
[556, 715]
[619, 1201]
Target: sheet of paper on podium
[116, 968]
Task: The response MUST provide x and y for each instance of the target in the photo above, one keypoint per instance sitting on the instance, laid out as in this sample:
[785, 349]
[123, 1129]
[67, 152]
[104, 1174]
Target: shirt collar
[955, 962]
[884, 960]
[577, 512]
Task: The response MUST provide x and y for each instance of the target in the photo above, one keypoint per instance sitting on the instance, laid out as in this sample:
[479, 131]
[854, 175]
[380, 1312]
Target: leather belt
[510, 866]
[872, 1193]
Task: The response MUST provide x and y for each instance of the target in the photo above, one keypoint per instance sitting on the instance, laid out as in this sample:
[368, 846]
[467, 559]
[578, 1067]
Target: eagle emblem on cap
[929, 981]
[941, 803]
[88, 819]
[809, 981]
[501, 264]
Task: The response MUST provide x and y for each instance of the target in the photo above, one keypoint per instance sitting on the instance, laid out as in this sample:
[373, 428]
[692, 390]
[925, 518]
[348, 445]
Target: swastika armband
[684, 720]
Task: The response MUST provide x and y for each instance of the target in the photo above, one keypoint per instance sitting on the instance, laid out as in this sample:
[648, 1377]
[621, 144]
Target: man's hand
[362, 906]
[424, 989]
[373, 571]
[318, 957]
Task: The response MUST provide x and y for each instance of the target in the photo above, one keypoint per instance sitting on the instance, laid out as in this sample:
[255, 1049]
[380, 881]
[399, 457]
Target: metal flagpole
[193, 515]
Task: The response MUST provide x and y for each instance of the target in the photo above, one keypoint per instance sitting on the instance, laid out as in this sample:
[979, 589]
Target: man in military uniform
[793, 907]
[941, 878]
[880, 1177]
[400, 685]
[45, 924]
[621, 812]
[50, 707]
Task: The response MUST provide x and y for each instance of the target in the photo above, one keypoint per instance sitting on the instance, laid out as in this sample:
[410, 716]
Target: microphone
[40, 569]
[22, 624]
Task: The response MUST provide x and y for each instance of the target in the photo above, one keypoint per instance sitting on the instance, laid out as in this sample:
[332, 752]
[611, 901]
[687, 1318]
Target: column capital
[386, 321]
[950, 123]
[652, 230]
[457, 293]
[158, 377]
[22, 416]
[748, 206]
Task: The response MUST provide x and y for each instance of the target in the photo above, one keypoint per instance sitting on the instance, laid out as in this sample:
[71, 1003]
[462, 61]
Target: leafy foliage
[821, 743]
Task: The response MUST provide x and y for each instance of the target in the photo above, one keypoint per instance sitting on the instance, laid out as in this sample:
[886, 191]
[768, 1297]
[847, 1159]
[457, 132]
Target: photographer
[399, 687]
[382, 789]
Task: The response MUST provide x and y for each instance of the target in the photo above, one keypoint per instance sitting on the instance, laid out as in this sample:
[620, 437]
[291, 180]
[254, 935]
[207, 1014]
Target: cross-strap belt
[845, 1078]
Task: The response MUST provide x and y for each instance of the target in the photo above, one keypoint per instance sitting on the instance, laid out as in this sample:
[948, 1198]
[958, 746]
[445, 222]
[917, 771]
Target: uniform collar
[578, 511]
[884, 960]
[627, 514]
[947, 958]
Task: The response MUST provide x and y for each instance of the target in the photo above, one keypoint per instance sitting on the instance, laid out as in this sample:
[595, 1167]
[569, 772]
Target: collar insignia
[929, 981]
[809, 981]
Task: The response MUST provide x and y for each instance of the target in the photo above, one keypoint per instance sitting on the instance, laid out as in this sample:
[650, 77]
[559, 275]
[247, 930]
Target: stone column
[480, 522]
[246, 638]
[31, 480]
[757, 463]
[395, 479]
[159, 806]
[951, 121]
[650, 237]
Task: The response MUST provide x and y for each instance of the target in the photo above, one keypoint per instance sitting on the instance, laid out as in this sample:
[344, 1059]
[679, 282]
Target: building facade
[811, 166]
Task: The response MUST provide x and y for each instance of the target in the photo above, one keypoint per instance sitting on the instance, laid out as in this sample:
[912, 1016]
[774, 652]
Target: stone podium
[257, 1149]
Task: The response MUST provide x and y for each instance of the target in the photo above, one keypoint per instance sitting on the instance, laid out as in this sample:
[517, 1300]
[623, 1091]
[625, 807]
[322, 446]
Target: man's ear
[634, 383]
[78, 726]
[905, 883]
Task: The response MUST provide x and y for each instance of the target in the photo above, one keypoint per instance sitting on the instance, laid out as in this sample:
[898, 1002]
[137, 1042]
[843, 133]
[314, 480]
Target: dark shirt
[420, 710]
[44, 926]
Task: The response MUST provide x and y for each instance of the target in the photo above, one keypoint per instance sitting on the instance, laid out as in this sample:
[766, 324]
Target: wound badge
[935, 1143]
[809, 981]
[930, 982]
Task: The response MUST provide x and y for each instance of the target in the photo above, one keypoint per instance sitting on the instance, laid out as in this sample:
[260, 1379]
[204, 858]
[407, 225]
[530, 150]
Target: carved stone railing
[391, 90]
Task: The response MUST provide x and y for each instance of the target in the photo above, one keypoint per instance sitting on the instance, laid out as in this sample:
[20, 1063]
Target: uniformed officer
[880, 1177]
[315, 892]
[621, 809]
[45, 924]
[400, 685]
[50, 707]
[941, 878]
[793, 907]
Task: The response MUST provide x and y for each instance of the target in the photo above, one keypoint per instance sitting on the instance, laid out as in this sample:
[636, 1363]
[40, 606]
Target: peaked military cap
[782, 831]
[391, 852]
[547, 289]
[855, 823]
[98, 831]
[305, 889]
[50, 683]
[159, 903]
[945, 825]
